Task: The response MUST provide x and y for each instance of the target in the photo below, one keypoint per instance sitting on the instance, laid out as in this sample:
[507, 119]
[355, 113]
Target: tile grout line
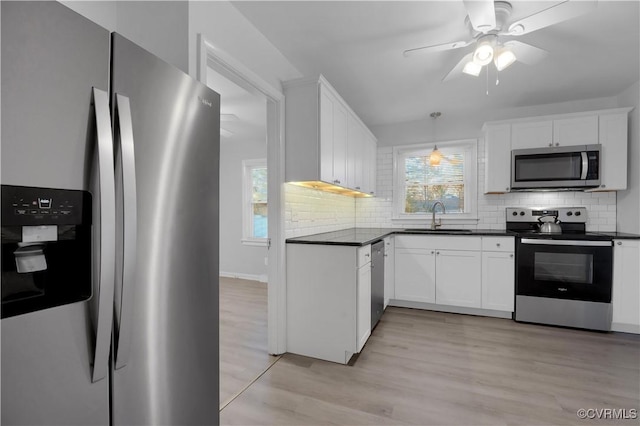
[231, 399]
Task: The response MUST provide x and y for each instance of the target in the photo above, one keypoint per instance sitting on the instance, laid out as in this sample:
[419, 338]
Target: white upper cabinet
[325, 139]
[535, 134]
[613, 151]
[575, 131]
[608, 128]
[497, 148]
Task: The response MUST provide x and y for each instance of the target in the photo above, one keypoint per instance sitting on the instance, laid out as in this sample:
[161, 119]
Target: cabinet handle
[603, 186]
[511, 256]
[367, 255]
[507, 188]
[358, 188]
[386, 255]
[432, 251]
[557, 143]
[551, 144]
[498, 244]
[619, 243]
[437, 252]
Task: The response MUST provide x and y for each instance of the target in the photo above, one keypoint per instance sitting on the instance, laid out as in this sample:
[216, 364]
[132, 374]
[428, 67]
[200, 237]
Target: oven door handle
[544, 242]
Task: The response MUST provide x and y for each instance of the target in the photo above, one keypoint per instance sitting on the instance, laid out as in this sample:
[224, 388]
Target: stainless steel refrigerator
[86, 110]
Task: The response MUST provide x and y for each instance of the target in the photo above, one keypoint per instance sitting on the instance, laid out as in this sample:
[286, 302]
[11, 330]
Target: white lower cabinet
[415, 275]
[457, 271]
[389, 269]
[328, 300]
[458, 278]
[438, 269]
[626, 286]
[363, 322]
[498, 281]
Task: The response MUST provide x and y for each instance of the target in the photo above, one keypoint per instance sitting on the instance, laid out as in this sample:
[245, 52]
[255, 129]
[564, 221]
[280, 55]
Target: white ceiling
[358, 46]
[249, 108]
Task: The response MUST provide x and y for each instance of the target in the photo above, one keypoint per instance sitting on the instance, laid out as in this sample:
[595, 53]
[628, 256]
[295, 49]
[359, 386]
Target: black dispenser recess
[46, 248]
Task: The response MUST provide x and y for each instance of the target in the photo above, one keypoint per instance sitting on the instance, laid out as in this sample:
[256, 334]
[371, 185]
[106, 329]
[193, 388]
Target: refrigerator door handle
[127, 229]
[106, 188]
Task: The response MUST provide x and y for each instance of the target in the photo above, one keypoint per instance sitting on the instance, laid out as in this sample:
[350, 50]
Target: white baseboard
[625, 328]
[261, 278]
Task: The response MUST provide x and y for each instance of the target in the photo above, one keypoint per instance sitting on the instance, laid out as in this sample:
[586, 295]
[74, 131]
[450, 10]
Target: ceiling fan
[488, 22]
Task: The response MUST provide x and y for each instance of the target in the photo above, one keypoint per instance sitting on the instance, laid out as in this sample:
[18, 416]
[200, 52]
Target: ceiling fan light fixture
[483, 54]
[472, 68]
[503, 58]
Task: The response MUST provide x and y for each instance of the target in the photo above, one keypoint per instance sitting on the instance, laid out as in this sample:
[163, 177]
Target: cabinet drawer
[364, 255]
[506, 244]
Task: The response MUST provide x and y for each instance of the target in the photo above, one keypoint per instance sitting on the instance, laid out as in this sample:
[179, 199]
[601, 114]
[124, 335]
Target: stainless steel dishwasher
[377, 282]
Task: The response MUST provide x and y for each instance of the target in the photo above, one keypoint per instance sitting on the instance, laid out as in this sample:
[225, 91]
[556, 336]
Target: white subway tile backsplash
[378, 211]
[309, 211]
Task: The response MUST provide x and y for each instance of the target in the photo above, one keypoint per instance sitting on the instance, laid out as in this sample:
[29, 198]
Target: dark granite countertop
[620, 235]
[365, 236]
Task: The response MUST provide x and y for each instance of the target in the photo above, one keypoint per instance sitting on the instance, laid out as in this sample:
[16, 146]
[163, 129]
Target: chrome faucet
[434, 225]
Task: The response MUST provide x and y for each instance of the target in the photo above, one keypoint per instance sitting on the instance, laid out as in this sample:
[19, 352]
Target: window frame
[470, 216]
[247, 202]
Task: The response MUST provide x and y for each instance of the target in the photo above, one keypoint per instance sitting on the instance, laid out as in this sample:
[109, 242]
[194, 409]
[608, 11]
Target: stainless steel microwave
[564, 167]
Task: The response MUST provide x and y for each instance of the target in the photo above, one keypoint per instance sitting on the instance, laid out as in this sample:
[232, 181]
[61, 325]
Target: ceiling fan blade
[557, 13]
[437, 48]
[526, 53]
[482, 14]
[457, 70]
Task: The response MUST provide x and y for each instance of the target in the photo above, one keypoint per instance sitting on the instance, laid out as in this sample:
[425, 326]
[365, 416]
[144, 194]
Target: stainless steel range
[563, 273]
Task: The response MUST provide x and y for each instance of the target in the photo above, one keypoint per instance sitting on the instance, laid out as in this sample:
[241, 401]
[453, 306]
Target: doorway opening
[252, 265]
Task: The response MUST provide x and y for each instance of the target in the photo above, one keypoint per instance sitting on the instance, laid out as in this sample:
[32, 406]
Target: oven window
[563, 267]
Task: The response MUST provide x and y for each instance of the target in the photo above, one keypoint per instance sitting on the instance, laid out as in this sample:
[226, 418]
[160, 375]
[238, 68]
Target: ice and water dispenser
[46, 248]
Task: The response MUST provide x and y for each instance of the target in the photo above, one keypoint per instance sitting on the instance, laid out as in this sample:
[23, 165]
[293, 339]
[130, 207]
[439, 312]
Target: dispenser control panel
[22, 205]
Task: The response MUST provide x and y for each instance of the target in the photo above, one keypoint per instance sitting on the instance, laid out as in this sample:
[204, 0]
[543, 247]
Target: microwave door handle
[585, 165]
[127, 231]
[103, 179]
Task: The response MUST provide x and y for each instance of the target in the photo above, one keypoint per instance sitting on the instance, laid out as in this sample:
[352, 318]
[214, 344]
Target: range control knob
[577, 213]
[521, 213]
[515, 213]
[569, 213]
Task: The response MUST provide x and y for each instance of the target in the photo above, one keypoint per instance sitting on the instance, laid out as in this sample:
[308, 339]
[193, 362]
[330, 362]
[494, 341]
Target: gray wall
[237, 259]
[161, 27]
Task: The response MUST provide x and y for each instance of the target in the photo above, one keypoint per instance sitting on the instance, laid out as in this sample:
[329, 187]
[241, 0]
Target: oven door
[565, 269]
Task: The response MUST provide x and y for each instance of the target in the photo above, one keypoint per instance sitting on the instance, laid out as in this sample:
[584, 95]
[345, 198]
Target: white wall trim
[223, 63]
[252, 277]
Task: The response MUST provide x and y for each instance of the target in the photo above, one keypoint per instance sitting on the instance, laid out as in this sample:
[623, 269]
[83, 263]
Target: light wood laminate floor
[431, 368]
[243, 335]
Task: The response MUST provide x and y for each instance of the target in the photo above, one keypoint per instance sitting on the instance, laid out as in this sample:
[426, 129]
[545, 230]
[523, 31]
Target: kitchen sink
[439, 231]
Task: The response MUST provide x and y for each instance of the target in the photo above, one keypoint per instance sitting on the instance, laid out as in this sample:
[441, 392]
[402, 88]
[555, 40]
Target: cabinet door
[626, 285]
[353, 146]
[415, 272]
[373, 159]
[498, 286]
[326, 135]
[363, 322]
[497, 143]
[536, 134]
[389, 270]
[613, 152]
[339, 144]
[458, 281]
[575, 131]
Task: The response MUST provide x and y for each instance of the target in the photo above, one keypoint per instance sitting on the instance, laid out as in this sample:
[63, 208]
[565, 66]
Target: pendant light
[436, 155]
